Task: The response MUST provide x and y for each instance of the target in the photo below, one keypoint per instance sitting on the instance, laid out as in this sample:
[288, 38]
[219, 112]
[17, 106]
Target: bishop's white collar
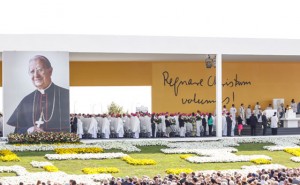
[42, 91]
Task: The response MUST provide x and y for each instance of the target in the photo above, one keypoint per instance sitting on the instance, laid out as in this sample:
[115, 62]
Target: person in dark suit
[253, 123]
[153, 125]
[47, 107]
[229, 124]
[204, 123]
[74, 124]
[264, 123]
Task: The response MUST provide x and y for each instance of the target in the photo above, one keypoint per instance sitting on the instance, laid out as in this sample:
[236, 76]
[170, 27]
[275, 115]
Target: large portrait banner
[35, 92]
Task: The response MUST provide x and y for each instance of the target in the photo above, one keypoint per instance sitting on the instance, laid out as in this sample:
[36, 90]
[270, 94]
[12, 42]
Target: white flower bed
[275, 140]
[58, 177]
[84, 156]
[121, 145]
[280, 142]
[225, 158]
[201, 151]
[215, 151]
[211, 152]
[42, 147]
[126, 146]
[200, 145]
[37, 164]
[280, 148]
[130, 146]
[295, 159]
[19, 170]
[148, 143]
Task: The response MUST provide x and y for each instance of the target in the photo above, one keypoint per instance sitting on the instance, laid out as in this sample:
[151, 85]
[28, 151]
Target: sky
[201, 18]
[189, 18]
[95, 100]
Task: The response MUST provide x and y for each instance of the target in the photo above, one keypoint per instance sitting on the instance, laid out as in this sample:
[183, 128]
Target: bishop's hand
[37, 129]
[34, 129]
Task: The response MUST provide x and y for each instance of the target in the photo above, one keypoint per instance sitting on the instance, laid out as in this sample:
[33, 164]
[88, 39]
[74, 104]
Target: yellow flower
[293, 151]
[133, 161]
[100, 170]
[50, 168]
[78, 150]
[7, 155]
[185, 156]
[261, 161]
[177, 171]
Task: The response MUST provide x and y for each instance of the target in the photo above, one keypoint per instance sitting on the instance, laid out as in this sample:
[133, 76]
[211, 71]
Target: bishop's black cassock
[51, 107]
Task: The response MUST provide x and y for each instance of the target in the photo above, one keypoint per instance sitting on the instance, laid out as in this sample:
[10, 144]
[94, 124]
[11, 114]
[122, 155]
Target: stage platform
[280, 131]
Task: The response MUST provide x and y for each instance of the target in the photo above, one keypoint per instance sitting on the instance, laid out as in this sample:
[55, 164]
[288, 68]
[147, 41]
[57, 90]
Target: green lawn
[164, 161]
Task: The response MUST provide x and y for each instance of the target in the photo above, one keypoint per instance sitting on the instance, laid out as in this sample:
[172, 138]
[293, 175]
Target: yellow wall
[268, 80]
[168, 96]
[110, 73]
[263, 81]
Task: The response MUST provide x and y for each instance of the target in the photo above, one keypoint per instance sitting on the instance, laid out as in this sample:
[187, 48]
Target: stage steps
[280, 131]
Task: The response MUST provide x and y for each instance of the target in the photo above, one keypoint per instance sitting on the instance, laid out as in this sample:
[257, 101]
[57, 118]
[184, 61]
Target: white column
[219, 95]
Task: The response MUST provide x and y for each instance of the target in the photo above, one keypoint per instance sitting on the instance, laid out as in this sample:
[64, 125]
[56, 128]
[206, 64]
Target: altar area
[290, 119]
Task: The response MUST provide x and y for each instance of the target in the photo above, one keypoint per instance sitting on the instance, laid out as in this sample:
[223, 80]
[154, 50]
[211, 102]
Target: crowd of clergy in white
[142, 124]
[196, 124]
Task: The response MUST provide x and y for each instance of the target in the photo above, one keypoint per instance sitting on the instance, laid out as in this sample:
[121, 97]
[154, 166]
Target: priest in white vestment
[233, 125]
[93, 130]
[105, 127]
[113, 124]
[135, 125]
[159, 124]
[126, 121]
[143, 124]
[294, 105]
[233, 112]
[111, 127]
[248, 114]
[256, 109]
[120, 127]
[198, 124]
[99, 120]
[242, 113]
[224, 124]
[79, 127]
[188, 124]
[177, 124]
[163, 125]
